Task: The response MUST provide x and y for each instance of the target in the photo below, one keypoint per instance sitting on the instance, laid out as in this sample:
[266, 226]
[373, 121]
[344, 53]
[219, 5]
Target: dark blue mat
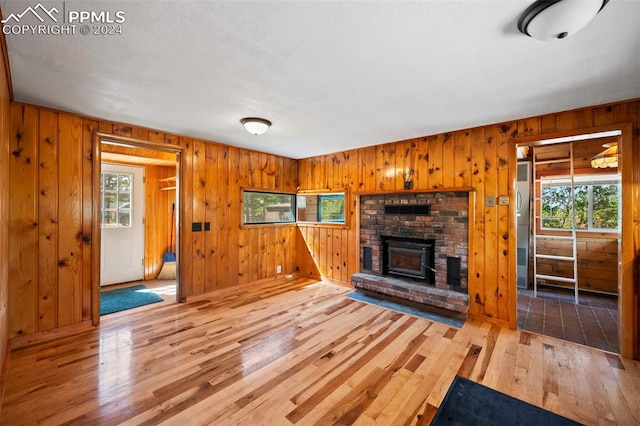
[356, 295]
[126, 298]
[470, 403]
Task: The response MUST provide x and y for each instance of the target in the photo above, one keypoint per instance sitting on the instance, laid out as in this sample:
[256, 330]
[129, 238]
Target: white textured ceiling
[330, 75]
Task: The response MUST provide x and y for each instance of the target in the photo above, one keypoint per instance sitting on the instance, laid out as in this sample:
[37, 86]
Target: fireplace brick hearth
[403, 289]
[445, 222]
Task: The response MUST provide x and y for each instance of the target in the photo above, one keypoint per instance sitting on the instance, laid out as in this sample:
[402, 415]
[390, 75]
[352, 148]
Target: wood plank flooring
[299, 352]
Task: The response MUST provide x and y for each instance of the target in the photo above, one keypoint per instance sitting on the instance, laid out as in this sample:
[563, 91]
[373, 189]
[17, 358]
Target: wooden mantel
[417, 190]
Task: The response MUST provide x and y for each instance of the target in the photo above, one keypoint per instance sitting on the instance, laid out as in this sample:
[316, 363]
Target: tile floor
[594, 322]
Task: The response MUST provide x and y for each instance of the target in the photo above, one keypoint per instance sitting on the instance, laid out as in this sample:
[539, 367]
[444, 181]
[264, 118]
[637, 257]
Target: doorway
[122, 196]
[138, 209]
[569, 216]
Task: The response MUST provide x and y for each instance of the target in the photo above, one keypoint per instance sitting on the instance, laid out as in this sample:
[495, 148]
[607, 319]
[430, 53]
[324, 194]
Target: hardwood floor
[300, 352]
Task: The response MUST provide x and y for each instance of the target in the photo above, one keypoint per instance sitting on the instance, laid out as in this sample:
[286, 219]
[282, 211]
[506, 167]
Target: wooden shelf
[167, 180]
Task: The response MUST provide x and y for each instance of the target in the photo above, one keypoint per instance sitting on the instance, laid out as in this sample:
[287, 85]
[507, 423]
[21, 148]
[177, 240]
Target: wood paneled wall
[51, 218]
[597, 261]
[158, 213]
[481, 158]
[232, 254]
[5, 114]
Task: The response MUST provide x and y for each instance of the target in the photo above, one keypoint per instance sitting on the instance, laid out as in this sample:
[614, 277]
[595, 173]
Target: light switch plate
[491, 201]
[503, 201]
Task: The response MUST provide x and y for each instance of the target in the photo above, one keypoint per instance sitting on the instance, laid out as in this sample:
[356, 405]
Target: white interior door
[122, 224]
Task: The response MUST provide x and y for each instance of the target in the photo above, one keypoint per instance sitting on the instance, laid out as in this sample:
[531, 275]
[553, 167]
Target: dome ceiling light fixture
[255, 125]
[556, 19]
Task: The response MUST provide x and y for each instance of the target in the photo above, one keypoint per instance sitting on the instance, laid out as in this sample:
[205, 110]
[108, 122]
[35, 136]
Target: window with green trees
[115, 200]
[268, 207]
[322, 208]
[331, 208]
[596, 203]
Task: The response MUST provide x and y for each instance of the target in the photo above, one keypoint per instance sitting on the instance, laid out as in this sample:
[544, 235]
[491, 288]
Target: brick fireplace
[425, 237]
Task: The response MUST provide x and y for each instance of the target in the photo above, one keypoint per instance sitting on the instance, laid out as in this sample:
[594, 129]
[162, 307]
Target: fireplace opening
[409, 257]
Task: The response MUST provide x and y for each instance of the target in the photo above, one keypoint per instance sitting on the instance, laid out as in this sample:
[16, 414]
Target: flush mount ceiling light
[557, 19]
[607, 158]
[256, 126]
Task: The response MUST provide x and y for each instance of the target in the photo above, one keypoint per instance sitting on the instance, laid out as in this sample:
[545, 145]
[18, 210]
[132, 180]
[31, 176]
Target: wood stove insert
[409, 257]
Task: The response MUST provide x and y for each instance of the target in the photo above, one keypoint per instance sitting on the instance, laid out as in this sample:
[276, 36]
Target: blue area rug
[470, 403]
[356, 295]
[126, 298]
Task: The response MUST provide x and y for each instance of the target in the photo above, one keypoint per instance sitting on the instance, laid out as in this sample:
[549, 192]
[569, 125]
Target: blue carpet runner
[126, 298]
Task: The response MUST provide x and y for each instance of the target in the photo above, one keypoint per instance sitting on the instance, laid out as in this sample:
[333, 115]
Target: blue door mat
[126, 298]
[411, 310]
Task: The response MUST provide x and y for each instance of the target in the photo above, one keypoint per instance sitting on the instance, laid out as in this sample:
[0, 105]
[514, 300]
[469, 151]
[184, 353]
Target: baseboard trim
[484, 318]
[44, 336]
[3, 375]
[216, 294]
[338, 282]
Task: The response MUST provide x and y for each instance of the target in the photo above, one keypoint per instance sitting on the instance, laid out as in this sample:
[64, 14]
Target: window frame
[589, 183]
[321, 194]
[263, 223]
[118, 209]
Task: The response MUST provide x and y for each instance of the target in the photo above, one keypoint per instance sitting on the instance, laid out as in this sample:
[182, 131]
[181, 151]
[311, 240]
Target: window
[115, 200]
[596, 203]
[268, 207]
[331, 208]
[323, 208]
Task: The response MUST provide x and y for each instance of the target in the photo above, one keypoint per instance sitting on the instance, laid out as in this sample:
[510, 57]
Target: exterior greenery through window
[115, 200]
[331, 208]
[596, 203]
[323, 208]
[268, 207]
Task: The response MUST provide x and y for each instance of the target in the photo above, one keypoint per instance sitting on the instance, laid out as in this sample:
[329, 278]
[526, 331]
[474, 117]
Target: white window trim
[589, 181]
